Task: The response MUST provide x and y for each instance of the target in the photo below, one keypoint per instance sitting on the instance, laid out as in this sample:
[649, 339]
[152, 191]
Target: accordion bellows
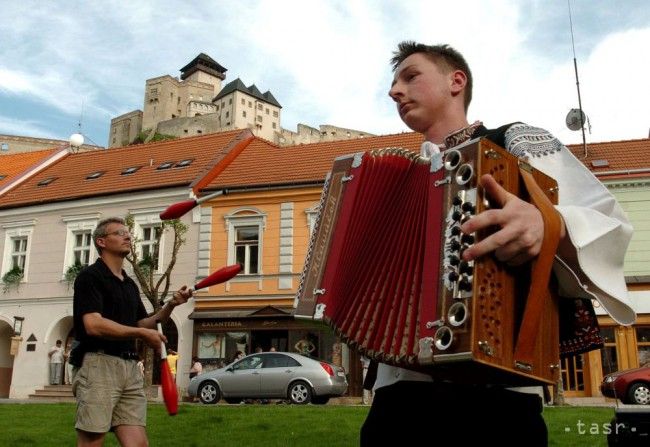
[384, 267]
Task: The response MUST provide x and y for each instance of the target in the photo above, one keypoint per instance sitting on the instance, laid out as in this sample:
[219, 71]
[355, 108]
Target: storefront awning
[265, 312]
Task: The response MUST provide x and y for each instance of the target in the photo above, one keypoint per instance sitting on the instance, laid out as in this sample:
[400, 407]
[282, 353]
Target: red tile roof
[70, 173]
[263, 163]
[12, 165]
[616, 159]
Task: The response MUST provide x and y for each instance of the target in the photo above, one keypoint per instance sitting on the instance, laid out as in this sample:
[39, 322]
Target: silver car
[271, 375]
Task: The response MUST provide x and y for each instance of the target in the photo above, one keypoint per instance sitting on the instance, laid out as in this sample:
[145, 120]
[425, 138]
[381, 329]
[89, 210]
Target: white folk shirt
[597, 229]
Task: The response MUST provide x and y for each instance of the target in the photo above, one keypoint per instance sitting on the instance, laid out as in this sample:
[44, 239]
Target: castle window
[267, 110]
[243, 101]
[259, 107]
[243, 114]
[259, 118]
[250, 104]
[275, 113]
[5, 146]
[274, 125]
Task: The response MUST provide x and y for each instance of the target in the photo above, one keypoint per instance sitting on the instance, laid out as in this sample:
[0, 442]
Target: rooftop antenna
[576, 117]
[77, 139]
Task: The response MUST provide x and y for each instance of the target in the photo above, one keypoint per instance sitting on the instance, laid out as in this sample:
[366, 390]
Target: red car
[631, 386]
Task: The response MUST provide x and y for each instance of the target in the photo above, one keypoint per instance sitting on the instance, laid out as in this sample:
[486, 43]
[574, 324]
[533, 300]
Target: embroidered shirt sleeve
[523, 140]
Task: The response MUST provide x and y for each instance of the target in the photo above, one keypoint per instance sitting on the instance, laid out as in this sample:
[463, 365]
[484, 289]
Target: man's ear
[458, 81]
[101, 242]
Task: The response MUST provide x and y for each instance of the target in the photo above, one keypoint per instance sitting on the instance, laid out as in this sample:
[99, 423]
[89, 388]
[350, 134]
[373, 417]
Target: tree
[144, 269]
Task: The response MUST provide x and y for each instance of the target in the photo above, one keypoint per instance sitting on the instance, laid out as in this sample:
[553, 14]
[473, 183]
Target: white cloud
[12, 126]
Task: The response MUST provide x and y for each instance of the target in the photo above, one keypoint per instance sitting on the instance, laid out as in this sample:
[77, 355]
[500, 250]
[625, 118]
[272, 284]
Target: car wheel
[639, 393]
[209, 393]
[320, 400]
[299, 393]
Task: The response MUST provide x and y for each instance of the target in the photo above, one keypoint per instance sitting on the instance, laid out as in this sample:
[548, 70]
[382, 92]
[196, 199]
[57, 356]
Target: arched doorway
[6, 359]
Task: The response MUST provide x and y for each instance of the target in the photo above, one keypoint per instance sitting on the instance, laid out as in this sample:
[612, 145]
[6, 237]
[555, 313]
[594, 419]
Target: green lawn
[260, 425]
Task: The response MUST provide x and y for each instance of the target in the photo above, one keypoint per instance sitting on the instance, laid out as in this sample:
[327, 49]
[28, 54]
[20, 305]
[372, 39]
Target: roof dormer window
[183, 163]
[46, 181]
[95, 175]
[165, 165]
[130, 170]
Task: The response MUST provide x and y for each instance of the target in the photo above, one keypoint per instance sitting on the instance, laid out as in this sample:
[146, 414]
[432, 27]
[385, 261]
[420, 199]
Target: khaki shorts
[109, 392]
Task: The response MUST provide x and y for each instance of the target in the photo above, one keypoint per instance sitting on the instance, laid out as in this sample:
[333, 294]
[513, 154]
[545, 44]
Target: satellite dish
[576, 119]
[76, 140]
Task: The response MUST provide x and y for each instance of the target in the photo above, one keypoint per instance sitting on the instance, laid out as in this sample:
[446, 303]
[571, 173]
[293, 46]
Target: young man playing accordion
[432, 89]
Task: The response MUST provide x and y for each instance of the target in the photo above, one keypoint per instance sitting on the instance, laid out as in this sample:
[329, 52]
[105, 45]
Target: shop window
[643, 344]
[608, 352]
[211, 346]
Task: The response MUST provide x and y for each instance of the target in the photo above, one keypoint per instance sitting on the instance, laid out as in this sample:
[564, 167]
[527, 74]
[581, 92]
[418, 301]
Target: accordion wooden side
[384, 268]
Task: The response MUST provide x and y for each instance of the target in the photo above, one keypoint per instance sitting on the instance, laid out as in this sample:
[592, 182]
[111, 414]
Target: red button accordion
[384, 267]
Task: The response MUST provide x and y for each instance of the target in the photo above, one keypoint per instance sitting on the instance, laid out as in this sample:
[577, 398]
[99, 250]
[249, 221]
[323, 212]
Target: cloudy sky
[326, 61]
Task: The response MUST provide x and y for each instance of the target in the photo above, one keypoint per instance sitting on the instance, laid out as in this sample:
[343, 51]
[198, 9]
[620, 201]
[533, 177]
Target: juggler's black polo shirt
[97, 289]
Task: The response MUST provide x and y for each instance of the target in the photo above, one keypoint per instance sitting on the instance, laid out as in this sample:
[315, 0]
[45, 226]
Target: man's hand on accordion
[521, 228]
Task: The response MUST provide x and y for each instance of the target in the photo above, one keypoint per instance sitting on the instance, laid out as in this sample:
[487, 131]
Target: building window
[643, 343]
[227, 114]
[312, 216]
[79, 243]
[149, 235]
[275, 113]
[243, 101]
[229, 101]
[81, 249]
[18, 237]
[245, 239]
[259, 107]
[247, 249]
[18, 252]
[267, 111]
[259, 118]
[250, 104]
[149, 244]
[274, 125]
[608, 352]
[243, 114]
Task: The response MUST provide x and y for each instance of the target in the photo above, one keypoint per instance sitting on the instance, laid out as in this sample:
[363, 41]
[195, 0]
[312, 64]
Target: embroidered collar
[460, 136]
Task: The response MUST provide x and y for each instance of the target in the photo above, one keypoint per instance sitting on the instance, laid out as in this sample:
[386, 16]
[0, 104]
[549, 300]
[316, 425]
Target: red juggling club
[170, 394]
[176, 210]
[221, 275]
